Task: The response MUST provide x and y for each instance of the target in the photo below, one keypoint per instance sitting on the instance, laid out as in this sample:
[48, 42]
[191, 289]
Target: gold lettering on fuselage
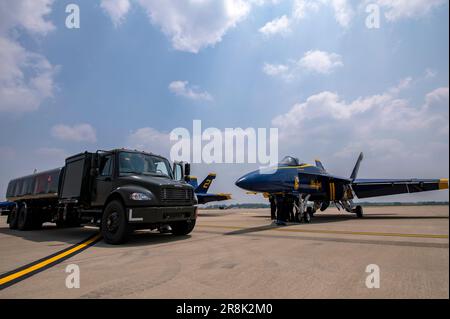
[296, 183]
[315, 185]
[332, 192]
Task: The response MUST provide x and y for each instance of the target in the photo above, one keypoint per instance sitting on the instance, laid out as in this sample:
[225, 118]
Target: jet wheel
[359, 211]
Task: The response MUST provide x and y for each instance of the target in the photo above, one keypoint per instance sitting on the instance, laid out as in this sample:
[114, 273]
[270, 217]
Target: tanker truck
[119, 191]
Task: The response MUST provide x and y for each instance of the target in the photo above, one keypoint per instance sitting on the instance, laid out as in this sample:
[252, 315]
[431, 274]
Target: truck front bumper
[157, 215]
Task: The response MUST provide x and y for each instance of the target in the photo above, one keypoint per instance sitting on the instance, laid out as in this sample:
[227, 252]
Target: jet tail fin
[192, 180]
[319, 164]
[204, 186]
[356, 168]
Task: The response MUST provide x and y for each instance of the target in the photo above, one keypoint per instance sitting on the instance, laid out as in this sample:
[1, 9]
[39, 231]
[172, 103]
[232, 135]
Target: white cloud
[116, 9]
[312, 61]
[399, 9]
[280, 25]
[275, 69]
[182, 88]
[326, 105]
[343, 11]
[320, 61]
[28, 14]
[430, 73]
[26, 78]
[436, 96]
[75, 133]
[194, 25]
[326, 116]
[303, 7]
[392, 111]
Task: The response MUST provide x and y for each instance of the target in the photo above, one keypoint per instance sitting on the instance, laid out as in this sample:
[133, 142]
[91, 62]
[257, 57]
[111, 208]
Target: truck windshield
[143, 164]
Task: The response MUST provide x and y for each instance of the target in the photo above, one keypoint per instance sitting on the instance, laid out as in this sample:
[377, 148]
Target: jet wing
[365, 188]
[207, 198]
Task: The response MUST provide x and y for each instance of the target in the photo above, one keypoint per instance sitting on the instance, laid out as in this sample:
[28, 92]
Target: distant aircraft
[294, 184]
[5, 207]
[202, 190]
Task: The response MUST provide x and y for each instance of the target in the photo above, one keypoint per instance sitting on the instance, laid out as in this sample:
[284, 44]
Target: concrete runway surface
[239, 254]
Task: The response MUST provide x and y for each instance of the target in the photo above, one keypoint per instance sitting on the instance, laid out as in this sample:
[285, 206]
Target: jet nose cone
[248, 182]
[241, 182]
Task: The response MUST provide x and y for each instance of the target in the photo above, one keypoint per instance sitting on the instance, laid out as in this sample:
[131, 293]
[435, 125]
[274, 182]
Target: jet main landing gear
[303, 213]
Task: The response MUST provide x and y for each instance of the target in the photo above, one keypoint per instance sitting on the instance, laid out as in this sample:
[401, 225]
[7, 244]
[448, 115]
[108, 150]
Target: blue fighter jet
[292, 185]
[201, 191]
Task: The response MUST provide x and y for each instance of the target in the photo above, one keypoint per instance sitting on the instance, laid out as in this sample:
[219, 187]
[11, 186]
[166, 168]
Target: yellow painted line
[48, 261]
[344, 232]
[336, 232]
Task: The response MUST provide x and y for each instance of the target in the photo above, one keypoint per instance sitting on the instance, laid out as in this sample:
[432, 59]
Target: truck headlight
[140, 196]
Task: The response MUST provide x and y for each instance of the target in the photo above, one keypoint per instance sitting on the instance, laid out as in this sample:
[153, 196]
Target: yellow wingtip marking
[228, 196]
[443, 183]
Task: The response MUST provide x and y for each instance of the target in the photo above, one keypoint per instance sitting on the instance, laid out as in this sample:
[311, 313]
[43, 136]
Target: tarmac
[240, 254]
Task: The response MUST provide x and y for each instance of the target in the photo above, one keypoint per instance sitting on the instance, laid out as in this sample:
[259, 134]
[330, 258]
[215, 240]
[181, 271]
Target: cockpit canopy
[291, 161]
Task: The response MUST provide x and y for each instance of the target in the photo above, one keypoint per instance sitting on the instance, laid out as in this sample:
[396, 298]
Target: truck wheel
[24, 218]
[182, 228]
[13, 218]
[115, 228]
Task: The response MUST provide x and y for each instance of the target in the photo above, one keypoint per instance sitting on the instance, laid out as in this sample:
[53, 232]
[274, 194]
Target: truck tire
[13, 218]
[182, 228]
[24, 217]
[115, 228]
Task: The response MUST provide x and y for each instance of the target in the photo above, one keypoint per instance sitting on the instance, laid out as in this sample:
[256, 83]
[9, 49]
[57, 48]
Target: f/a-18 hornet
[292, 185]
[201, 191]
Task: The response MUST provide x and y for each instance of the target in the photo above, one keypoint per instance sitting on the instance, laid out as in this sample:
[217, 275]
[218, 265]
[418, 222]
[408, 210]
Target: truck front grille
[177, 195]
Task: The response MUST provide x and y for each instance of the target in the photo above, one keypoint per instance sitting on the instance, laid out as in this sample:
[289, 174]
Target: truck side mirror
[187, 169]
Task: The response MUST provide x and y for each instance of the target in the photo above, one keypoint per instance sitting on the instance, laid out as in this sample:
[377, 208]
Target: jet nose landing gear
[358, 210]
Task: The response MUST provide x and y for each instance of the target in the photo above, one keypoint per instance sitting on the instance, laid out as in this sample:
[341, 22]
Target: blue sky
[312, 68]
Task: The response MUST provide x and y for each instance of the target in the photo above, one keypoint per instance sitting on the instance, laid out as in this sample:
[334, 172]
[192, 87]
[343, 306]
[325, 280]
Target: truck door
[103, 183]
